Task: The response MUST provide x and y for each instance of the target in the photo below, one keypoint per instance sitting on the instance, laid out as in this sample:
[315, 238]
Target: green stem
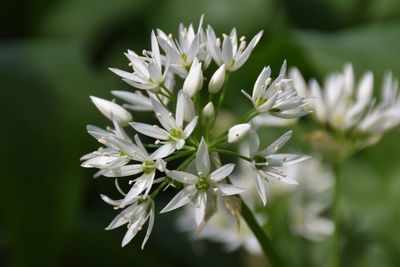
[221, 97]
[336, 217]
[263, 239]
[231, 153]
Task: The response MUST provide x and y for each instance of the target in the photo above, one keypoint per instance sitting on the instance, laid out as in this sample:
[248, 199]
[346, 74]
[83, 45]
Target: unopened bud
[112, 110]
[208, 110]
[238, 132]
[217, 80]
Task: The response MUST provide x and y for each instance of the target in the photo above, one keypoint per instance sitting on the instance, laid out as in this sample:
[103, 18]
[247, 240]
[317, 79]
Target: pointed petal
[190, 127]
[227, 189]
[183, 177]
[203, 159]
[163, 115]
[182, 198]
[150, 130]
[261, 188]
[122, 171]
[201, 204]
[275, 146]
[222, 172]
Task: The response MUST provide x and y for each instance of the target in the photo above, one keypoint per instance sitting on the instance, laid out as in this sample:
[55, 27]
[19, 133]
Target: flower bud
[238, 132]
[112, 110]
[208, 110]
[217, 80]
[194, 80]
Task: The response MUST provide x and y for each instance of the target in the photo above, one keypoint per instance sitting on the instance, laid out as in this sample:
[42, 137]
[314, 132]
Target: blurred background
[54, 54]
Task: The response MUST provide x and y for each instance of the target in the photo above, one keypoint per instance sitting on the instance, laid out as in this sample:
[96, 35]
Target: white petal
[142, 183]
[162, 152]
[222, 172]
[182, 198]
[201, 204]
[130, 233]
[122, 171]
[163, 115]
[183, 177]
[110, 201]
[227, 55]
[150, 130]
[228, 190]
[275, 146]
[202, 159]
[190, 127]
[180, 109]
[261, 188]
[246, 53]
[122, 218]
[151, 224]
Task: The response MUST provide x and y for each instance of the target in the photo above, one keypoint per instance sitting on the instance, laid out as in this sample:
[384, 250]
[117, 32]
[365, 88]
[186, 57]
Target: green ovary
[202, 184]
[148, 167]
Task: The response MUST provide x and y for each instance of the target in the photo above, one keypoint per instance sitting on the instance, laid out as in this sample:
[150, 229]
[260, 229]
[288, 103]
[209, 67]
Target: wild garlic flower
[232, 53]
[267, 165]
[187, 132]
[180, 53]
[146, 165]
[347, 106]
[198, 186]
[173, 135]
[135, 215]
[109, 157]
[147, 70]
[277, 97]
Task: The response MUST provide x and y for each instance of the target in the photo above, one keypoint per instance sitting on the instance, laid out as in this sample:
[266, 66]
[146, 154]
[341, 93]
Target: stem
[336, 217]
[221, 97]
[263, 239]
[231, 153]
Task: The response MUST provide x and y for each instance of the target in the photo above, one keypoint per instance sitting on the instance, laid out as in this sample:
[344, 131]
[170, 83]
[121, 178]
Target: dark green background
[54, 54]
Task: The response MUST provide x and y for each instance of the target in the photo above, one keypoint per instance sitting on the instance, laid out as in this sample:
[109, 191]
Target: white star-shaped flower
[173, 134]
[199, 185]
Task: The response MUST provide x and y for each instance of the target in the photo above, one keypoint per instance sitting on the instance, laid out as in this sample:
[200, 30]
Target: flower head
[232, 53]
[277, 97]
[266, 164]
[198, 186]
[174, 134]
[135, 215]
[147, 69]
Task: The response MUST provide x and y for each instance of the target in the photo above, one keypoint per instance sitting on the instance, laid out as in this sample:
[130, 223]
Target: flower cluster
[350, 108]
[186, 151]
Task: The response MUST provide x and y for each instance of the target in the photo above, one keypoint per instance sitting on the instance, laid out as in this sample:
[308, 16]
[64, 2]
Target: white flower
[232, 54]
[147, 71]
[135, 215]
[198, 187]
[112, 110]
[279, 98]
[110, 157]
[266, 164]
[147, 166]
[173, 135]
[208, 110]
[217, 80]
[194, 80]
[238, 132]
[181, 53]
[347, 106]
